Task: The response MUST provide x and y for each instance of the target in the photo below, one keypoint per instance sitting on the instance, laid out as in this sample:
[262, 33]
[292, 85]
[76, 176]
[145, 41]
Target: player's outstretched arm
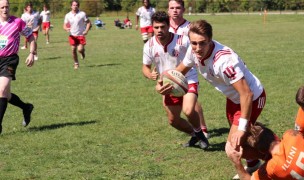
[182, 68]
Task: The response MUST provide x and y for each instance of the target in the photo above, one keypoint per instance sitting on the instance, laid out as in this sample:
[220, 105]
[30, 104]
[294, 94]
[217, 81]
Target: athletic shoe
[203, 144]
[23, 47]
[250, 170]
[47, 42]
[27, 114]
[76, 66]
[35, 58]
[191, 142]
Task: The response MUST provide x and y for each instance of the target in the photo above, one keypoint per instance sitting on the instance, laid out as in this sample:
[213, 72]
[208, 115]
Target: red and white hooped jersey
[182, 29]
[168, 56]
[77, 22]
[223, 68]
[145, 16]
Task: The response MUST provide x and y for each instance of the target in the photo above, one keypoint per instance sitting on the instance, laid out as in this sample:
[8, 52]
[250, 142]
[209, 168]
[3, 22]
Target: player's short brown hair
[260, 137]
[181, 2]
[201, 27]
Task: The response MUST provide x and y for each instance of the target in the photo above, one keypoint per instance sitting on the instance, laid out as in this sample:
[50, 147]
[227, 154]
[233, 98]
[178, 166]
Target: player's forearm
[33, 45]
[243, 174]
[146, 71]
[246, 104]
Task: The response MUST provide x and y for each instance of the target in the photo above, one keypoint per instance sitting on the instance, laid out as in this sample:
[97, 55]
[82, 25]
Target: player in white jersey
[165, 51]
[77, 25]
[226, 71]
[46, 23]
[144, 14]
[33, 21]
[179, 25]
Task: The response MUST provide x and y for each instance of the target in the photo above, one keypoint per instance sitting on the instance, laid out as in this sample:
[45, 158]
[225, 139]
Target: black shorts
[8, 66]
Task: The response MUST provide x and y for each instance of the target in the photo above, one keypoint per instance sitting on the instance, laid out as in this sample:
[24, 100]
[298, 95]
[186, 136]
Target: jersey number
[300, 164]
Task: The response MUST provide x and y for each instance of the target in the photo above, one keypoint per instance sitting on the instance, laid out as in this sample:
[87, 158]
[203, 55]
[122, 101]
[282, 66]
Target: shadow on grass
[218, 132]
[61, 125]
[101, 65]
[52, 58]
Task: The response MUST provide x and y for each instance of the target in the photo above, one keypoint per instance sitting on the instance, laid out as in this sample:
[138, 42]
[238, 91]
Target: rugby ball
[177, 80]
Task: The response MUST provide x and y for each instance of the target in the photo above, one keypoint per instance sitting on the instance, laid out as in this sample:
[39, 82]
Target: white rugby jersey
[145, 16]
[45, 15]
[223, 68]
[168, 56]
[77, 22]
[31, 20]
[182, 29]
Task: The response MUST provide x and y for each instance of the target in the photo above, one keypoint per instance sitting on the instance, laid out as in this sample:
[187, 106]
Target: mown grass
[105, 121]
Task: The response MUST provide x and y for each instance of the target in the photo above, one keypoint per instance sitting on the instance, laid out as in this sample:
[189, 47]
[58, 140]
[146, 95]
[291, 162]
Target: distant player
[179, 25]
[33, 21]
[10, 30]
[77, 24]
[46, 23]
[144, 14]
[165, 51]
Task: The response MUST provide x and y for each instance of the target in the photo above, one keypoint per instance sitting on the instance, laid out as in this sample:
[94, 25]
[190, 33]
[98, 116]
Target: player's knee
[188, 111]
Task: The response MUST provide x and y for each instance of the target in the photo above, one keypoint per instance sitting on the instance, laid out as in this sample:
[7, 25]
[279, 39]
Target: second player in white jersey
[169, 56]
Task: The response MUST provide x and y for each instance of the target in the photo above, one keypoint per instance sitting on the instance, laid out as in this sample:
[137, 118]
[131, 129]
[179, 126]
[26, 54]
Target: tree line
[97, 7]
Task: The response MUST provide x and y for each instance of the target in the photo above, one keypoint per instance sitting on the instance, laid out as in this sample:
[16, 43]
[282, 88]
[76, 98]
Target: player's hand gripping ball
[177, 80]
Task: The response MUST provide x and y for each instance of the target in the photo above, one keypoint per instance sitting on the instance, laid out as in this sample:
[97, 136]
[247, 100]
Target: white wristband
[242, 124]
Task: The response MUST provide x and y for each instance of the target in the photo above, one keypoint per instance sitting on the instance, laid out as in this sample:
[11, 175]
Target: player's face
[175, 10]
[75, 6]
[4, 9]
[161, 30]
[146, 3]
[29, 9]
[201, 45]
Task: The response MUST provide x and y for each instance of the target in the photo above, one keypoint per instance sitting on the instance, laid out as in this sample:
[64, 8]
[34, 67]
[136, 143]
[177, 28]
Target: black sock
[3, 105]
[200, 135]
[16, 101]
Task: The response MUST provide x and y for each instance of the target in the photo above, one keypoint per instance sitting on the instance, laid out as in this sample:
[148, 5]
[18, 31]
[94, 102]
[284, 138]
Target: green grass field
[105, 120]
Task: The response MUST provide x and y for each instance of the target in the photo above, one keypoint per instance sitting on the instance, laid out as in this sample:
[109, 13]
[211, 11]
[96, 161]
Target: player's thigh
[5, 86]
[80, 47]
[189, 102]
